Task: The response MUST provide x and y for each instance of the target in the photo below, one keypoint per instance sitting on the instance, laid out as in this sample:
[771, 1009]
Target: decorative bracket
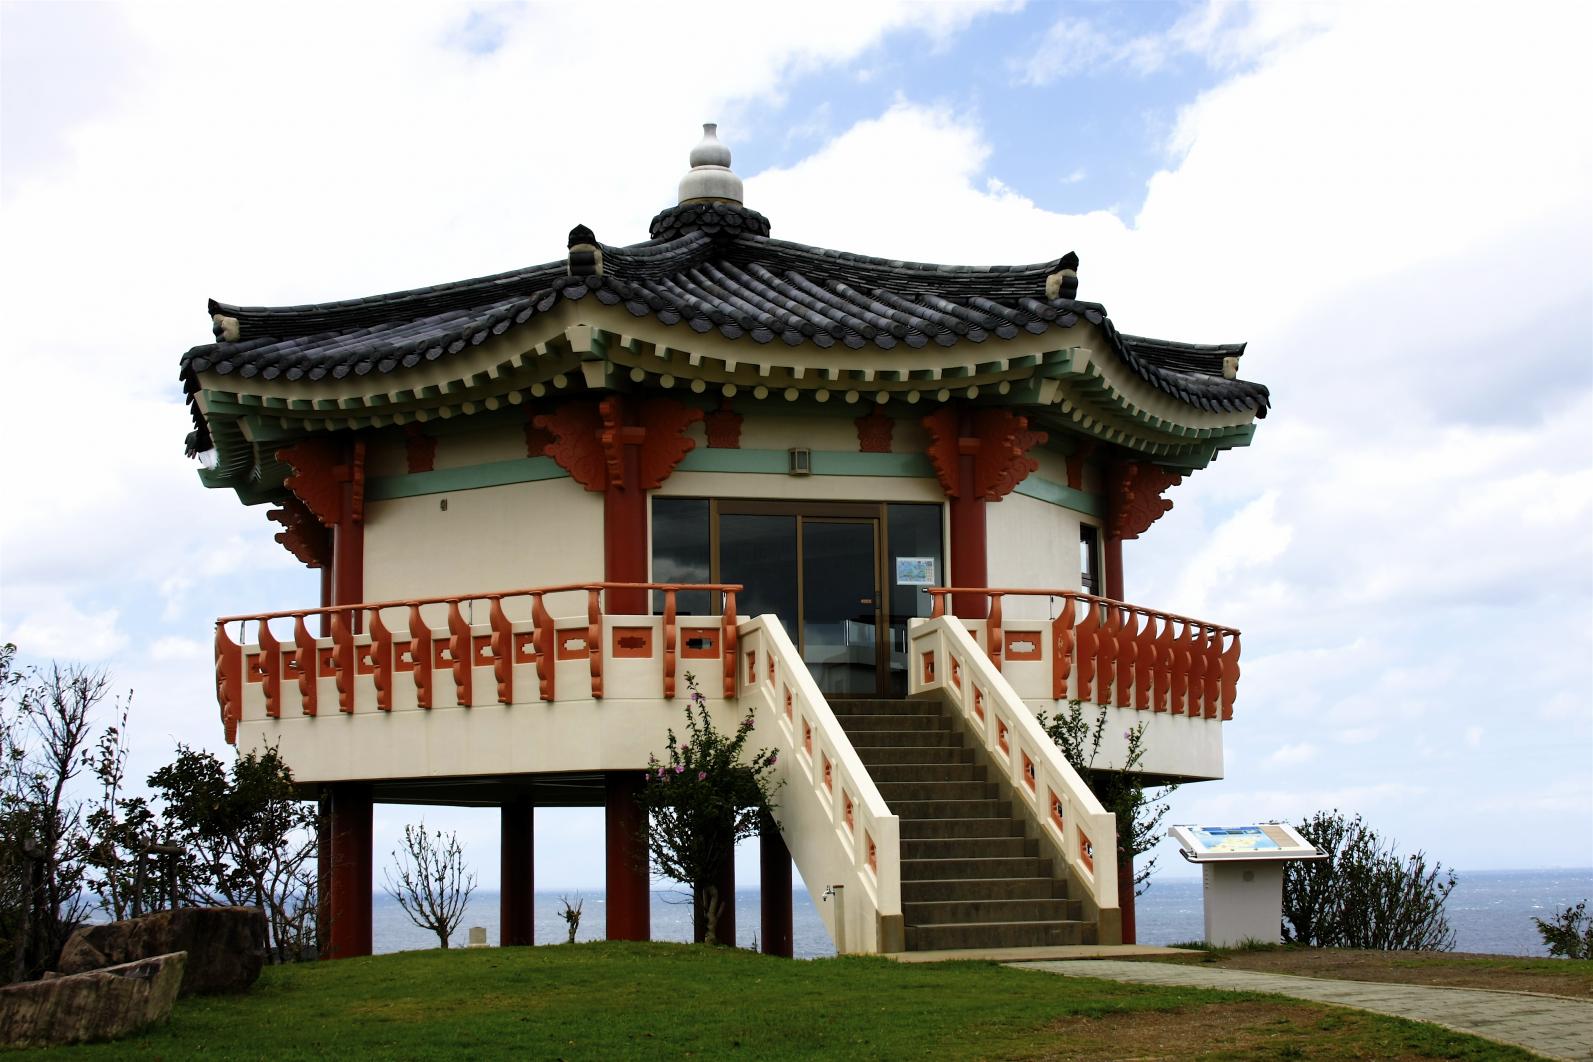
[1134, 497]
[874, 432]
[322, 467]
[589, 439]
[998, 440]
[723, 428]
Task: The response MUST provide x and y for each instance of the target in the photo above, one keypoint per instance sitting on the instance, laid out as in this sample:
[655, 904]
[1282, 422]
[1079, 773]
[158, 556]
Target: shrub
[705, 796]
[1570, 934]
[1364, 895]
[1139, 810]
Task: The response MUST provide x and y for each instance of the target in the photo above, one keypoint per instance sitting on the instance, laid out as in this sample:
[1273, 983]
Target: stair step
[894, 791]
[867, 708]
[1031, 888]
[899, 739]
[970, 848]
[894, 721]
[920, 810]
[995, 935]
[884, 773]
[932, 829]
[882, 755]
[986, 867]
[942, 912]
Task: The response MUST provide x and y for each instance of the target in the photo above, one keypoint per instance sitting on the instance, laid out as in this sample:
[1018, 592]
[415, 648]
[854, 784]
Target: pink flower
[702, 776]
[679, 769]
[774, 757]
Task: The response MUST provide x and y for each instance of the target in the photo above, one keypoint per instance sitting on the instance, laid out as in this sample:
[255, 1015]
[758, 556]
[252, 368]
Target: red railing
[1121, 654]
[424, 654]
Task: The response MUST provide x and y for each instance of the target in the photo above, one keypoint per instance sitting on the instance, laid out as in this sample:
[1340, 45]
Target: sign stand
[1242, 871]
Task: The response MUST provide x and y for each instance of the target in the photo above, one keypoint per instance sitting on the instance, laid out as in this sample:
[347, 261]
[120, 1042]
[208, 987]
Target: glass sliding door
[842, 577]
[841, 604]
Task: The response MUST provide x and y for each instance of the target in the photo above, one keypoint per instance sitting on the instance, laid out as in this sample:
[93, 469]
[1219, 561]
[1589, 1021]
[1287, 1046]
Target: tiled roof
[712, 272]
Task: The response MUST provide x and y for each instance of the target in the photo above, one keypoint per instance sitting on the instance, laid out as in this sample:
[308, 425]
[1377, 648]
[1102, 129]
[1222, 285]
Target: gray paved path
[1557, 1028]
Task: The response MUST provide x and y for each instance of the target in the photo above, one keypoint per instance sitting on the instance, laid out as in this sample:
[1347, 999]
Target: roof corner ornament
[1064, 283]
[710, 177]
[586, 257]
[1230, 368]
[224, 328]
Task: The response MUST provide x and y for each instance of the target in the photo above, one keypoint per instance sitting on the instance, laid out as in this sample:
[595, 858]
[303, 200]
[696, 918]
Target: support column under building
[628, 900]
[1113, 578]
[516, 873]
[349, 907]
[774, 888]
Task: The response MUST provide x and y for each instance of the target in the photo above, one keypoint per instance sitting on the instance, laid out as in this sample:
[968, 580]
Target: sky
[1392, 203]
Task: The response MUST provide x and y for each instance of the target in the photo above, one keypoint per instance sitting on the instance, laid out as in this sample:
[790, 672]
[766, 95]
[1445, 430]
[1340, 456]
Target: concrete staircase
[972, 873]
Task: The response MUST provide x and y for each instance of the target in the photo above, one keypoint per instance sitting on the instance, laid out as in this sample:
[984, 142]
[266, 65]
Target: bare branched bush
[1365, 894]
[431, 883]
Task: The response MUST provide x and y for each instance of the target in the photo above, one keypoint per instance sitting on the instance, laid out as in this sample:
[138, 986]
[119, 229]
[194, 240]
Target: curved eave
[1073, 376]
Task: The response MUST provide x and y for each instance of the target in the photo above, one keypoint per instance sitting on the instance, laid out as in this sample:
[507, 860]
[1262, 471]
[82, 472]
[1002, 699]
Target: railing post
[271, 670]
[594, 639]
[462, 656]
[1230, 677]
[671, 633]
[502, 651]
[543, 637]
[420, 655]
[1063, 640]
[727, 637]
[994, 642]
[381, 661]
[343, 662]
[306, 657]
[229, 682]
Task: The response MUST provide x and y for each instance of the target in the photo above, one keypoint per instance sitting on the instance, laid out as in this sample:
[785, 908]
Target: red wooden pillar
[323, 871]
[348, 536]
[1113, 578]
[625, 520]
[628, 900]
[774, 888]
[350, 902]
[516, 873]
[970, 556]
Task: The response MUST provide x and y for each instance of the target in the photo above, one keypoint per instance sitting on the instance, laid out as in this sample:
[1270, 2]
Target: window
[1090, 559]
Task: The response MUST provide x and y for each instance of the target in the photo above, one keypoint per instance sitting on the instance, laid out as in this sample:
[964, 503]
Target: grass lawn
[644, 1001]
[1555, 977]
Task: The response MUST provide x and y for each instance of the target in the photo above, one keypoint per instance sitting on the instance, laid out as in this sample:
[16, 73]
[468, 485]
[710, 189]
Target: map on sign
[1233, 839]
[1262, 841]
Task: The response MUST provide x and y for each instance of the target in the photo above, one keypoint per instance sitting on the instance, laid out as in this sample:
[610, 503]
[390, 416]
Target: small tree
[432, 885]
[702, 798]
[1364, 895]
[247, 837]
[1570, 934]
[571, 913]
[1139, 810]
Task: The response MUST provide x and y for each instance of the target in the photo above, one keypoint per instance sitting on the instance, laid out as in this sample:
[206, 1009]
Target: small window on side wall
[1090, 559]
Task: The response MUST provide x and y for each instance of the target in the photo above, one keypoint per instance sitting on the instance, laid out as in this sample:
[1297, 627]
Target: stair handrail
[944, 657]
[831, 815]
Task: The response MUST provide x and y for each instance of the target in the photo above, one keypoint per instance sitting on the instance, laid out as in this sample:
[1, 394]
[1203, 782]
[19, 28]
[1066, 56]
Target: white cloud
[172, 647]
[1292, 755]
[58, 629]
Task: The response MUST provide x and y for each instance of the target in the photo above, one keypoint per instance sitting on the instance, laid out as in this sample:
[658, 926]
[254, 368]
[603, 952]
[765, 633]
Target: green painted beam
[447, 480]
[1060, 494]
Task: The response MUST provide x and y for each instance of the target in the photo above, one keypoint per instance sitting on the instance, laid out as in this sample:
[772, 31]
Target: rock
[98, 1005]
[226, 946]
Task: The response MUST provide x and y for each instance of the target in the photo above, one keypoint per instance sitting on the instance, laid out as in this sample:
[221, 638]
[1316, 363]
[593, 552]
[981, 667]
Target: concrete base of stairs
[1045, 954]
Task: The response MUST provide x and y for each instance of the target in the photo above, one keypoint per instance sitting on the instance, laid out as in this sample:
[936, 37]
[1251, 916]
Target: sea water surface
[1491, 911]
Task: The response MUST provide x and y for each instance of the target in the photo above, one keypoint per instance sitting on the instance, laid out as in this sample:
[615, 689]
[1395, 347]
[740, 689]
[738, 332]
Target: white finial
[710, 176]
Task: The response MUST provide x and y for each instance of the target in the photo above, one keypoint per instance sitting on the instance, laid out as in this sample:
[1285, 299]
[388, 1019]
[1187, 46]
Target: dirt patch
[1251, 1030]
[1557, 977]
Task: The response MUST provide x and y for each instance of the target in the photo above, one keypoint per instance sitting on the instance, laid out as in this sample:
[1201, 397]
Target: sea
[1491, 912]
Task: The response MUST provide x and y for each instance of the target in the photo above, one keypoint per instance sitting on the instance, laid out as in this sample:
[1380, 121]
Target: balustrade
[1113, 653]
[362, 642]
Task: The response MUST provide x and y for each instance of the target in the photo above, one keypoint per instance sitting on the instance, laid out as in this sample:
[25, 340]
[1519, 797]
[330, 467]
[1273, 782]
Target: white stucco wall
[1031, 543]
[490, 538]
